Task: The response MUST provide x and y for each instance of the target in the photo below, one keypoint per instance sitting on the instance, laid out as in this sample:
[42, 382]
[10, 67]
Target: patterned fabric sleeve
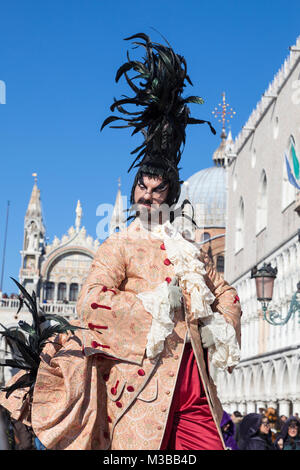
[227, 301]
[116, 320]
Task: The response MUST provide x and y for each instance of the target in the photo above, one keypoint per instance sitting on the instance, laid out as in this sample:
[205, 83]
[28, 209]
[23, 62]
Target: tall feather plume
[29, 346]
[164, 114]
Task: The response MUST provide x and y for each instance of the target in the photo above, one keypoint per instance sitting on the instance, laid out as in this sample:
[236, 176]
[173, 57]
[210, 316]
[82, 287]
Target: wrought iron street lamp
[264, 280]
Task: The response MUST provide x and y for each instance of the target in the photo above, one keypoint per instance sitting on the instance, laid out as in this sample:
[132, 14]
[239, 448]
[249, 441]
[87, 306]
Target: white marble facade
[262, 226]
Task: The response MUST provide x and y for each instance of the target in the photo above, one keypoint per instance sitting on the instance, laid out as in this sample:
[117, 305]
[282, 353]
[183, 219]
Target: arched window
[49, 291]
[262, 206]
[220, 264]
[288, 190]
[239, 227]
[205, 236]
[73, 292]
[62, 291]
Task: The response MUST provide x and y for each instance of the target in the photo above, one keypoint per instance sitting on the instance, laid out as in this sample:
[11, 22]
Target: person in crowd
[273, 420]
[255, 433]
[289, 437]
[236, 417]
[228, 431]
[23, 436]
[4, 438]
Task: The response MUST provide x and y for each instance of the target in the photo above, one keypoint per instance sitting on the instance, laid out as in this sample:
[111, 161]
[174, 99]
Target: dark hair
[152, 172]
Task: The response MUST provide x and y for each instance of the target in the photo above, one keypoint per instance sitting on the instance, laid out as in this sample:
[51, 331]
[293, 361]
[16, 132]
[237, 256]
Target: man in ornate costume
[155, 315]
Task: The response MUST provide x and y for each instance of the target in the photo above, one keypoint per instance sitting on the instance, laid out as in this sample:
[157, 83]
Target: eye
[161, 189]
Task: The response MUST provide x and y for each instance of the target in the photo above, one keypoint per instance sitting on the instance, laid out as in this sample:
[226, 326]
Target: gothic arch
[262, 203]
[261, 388]
[288, 190]
[283, 378]
[271, 381]
[249, 383]
[239, 226]
[64, 251]
[241, 384]
[232, 384]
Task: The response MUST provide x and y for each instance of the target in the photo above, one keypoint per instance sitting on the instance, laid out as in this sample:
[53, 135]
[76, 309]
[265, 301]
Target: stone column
[68, 291]
[55, 292]
[296, 406]
[260, 404]
[233, 407]
[242, 407]
[284, 408]
[250, 407]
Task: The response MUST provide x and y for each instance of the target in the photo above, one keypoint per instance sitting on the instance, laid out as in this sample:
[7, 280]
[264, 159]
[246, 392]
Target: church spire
[78, 216]
[34, 208]
[34, 240]
[117, 221]
[222, 114]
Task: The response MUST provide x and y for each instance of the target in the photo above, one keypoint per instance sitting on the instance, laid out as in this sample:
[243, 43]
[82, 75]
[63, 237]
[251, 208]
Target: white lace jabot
[190, 271]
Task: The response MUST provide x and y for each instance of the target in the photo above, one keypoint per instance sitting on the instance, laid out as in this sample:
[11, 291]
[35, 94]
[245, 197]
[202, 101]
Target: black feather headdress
[158, 86]
[28, 346]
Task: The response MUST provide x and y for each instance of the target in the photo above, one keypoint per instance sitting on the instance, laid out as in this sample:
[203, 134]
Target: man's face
[151, 191]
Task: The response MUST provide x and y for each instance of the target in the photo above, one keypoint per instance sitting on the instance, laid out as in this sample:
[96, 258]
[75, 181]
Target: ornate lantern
[264, 280]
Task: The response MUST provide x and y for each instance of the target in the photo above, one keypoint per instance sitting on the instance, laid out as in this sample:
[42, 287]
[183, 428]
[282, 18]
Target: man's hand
[175, 294]
[207, 337]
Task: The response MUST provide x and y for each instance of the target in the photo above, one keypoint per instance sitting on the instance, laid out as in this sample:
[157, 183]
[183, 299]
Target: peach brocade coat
[118, 399]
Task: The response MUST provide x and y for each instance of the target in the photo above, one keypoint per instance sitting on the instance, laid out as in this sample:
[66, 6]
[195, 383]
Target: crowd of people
[254, 431]
[261, 431]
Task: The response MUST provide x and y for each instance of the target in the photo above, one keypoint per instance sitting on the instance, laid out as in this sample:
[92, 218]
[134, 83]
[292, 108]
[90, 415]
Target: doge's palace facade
[262, 226]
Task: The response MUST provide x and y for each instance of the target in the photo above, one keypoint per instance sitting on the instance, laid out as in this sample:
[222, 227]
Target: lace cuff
[156, 302]
[226, 351]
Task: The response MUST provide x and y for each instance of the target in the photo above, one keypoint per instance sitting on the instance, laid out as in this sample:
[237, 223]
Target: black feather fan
[29, 347]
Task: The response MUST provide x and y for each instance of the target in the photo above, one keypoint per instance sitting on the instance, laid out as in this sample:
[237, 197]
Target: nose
[147, 196]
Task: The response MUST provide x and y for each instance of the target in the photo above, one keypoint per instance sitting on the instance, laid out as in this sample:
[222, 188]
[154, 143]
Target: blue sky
[58, 60]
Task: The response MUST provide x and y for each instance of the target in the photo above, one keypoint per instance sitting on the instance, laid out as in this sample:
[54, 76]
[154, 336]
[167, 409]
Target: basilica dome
[206, 190]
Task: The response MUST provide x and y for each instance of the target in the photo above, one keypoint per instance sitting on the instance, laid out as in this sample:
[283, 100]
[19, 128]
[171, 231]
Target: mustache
[144, 201]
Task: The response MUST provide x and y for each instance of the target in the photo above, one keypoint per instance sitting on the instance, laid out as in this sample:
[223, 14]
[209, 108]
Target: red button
[168, 279]
[167, 262]
[109, 419]
[162, 246]
[113, 391]
[95, 345]
[130, 388]
[141, 372]
[104, 289]
[94, 306]
[100, 327]
[119, 404]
